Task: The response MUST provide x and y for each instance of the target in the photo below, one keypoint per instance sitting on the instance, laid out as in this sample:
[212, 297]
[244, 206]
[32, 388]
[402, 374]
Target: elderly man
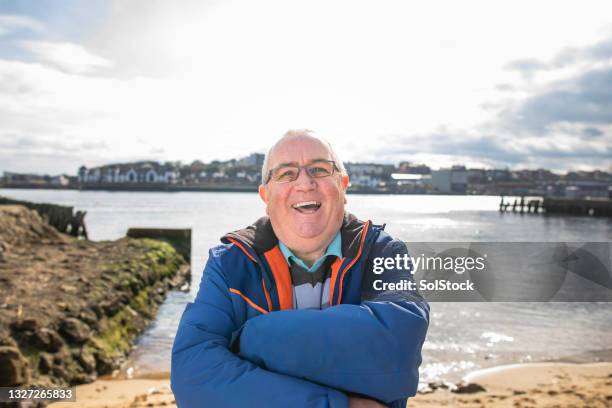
[287, 315]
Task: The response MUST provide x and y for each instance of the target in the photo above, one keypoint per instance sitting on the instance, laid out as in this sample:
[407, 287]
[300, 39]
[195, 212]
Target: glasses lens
[285, 174]
[320, 169]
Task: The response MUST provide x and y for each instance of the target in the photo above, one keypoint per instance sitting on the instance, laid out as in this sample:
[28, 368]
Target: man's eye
[319, 171]
[286, 174]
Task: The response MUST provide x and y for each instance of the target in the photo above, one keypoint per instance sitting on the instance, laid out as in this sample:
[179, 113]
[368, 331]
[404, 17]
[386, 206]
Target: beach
[519, 385]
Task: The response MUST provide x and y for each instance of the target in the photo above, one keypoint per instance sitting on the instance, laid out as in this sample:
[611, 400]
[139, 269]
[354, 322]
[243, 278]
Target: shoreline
[71, 312]
[515, 385]
[231, 189]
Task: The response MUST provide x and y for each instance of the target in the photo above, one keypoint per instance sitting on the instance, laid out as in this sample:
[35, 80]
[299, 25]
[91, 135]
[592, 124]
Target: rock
[74, 330]
[136, 286]
[82, 379]
[87, 361]
[104, 364]
[111, 307]
[45, 363]
[47, 340]
[7, 341]
[442, 385]
[13, 367]
[24, 325]
[89, 317]
[61, 372]
[30, 334]
[97, 309]
[157, 298]
[469, 388]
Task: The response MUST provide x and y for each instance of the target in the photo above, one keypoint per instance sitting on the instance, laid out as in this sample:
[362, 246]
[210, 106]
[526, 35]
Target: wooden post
[77, 222]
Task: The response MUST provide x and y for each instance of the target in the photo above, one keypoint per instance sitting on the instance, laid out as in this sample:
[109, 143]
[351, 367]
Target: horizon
[396, 165]
[384, 82]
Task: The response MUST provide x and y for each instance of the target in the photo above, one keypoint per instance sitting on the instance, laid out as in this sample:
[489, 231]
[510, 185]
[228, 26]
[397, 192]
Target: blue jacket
[239, 344]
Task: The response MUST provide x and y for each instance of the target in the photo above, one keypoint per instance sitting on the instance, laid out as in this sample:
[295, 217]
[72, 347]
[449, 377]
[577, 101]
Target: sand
[524, 385]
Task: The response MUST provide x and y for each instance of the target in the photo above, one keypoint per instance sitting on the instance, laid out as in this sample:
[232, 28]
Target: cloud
[29, 153]
[585, 99]
[12, 143]
[69, 57]
[10, 24]
[563, 112]
[592, 132]
[503, 150]
[568, 56]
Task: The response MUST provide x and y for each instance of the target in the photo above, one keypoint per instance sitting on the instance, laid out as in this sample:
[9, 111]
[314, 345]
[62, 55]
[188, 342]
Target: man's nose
[304, 182]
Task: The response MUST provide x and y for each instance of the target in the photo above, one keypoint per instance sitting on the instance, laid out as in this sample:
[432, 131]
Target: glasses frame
[333, 163]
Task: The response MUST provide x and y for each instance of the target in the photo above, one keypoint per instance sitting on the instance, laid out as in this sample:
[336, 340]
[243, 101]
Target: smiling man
[287, 315]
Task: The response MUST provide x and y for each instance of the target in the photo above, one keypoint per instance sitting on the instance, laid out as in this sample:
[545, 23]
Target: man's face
[304, 229]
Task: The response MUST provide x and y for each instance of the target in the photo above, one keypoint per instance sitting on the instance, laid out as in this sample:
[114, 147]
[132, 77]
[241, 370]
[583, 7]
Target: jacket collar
[260, 236]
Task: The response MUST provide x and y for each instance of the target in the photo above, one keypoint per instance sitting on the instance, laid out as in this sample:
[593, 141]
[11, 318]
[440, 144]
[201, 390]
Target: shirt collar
[334, 249]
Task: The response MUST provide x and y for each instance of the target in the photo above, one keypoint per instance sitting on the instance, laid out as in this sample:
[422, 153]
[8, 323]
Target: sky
[515, 84]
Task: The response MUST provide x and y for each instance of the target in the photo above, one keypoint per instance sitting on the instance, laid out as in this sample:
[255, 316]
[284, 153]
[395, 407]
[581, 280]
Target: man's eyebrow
[295, 164]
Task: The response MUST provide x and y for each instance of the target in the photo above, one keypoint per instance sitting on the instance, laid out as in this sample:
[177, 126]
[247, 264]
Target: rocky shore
[69, 308]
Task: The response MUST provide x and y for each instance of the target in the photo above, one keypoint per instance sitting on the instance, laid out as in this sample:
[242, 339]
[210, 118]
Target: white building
[142, 172]
[369, 175]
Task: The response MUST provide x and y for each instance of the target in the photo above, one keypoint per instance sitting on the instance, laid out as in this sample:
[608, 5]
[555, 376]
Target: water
[462, 336]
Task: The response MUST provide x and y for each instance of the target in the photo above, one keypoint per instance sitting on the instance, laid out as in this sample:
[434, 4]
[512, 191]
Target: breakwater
[589, 206]
[61, 217]
[70, 309]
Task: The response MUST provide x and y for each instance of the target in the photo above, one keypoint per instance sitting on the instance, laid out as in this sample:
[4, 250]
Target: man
[286, 314]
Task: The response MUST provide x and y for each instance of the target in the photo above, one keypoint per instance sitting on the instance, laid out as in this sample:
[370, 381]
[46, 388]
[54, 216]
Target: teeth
[306, 203]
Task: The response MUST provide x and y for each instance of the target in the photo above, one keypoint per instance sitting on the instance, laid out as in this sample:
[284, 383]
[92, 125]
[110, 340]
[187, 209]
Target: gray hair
[265, 169]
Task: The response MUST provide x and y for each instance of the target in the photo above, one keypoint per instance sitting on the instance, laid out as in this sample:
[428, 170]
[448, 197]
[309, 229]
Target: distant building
[411, 182]
[450, 181]
[24, 178]
[35, 180]
[253, 160]
[476, 176]
[369, 175]
[141, 172]
[61, 180]
[583, 189]
[409, 168]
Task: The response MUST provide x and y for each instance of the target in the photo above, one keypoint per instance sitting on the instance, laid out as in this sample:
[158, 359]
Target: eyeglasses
[316, 169]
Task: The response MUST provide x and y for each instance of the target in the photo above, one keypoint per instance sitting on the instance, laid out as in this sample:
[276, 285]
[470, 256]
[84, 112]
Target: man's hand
[356, 402]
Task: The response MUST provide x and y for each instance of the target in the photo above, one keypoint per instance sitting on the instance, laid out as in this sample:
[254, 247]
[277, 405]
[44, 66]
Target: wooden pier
[590, 206]
[521, 206]
[597, 207]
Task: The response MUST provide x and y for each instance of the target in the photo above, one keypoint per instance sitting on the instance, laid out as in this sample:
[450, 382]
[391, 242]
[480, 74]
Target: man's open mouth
[307, 207]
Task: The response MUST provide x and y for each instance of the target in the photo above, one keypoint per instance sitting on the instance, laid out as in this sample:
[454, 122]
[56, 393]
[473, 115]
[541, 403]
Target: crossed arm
[295, 358]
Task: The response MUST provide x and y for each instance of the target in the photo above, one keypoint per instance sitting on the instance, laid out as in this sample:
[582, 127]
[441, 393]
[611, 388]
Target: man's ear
[263, 193]
[345, 181]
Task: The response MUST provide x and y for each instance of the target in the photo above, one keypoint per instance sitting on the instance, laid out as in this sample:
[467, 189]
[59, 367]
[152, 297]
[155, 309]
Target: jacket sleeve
[206, 373]
[373, 348]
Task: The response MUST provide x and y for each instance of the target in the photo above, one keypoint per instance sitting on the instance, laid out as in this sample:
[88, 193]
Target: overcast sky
[519, 84]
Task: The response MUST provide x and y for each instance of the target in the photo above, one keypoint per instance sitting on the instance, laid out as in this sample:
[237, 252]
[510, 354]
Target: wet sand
[521, 385]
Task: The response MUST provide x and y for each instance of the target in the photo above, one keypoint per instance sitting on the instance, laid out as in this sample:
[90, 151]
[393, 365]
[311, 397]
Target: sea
[462, 337]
